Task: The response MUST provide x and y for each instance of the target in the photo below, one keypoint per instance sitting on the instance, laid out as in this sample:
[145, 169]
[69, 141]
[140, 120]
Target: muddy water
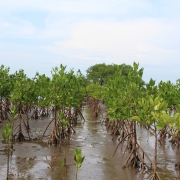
[35, 160]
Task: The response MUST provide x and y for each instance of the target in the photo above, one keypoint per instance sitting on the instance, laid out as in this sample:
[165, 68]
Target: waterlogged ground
[36, 160]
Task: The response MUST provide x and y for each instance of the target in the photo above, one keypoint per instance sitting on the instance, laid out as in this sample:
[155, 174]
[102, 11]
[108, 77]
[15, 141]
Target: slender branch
[47, 128]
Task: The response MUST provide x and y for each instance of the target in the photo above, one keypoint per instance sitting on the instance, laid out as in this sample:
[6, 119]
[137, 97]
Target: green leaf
[9, 132]
[78, 158]
[151, 101]
[156, 107]
[82, 159]
[61, 164]
[4, 135]
[135, 118]
[64, 122]
[165, 117]
[159, 126]
[135, 66]
[176, 117]
[153, 114]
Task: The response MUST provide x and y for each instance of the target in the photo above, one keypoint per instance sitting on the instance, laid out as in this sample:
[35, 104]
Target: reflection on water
[35, 160]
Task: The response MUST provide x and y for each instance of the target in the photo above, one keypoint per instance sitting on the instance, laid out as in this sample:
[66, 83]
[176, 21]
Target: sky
[37, 35]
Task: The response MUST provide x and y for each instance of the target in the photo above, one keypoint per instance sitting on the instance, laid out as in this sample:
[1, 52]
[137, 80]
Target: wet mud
[36, 160]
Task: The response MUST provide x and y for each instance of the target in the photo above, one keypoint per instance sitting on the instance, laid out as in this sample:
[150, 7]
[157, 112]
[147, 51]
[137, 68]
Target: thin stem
[65, 154]
[8, 160]
[155, 151]
[76, 173]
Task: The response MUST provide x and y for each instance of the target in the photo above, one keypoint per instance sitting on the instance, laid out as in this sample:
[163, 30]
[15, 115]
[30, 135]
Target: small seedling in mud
[13, 115]
[61, 164]
[79, 160]
[7, 134]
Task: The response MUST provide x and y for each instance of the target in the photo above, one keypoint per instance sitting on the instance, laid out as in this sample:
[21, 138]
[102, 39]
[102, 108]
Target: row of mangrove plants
[130, 103]
[22, 98]
[60, 95]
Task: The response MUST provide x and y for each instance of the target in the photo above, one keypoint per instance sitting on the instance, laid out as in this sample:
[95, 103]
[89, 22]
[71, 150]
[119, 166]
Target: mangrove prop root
[143, 165]
[53, 139]
[120, 143]
[135, 160]
[155, 176]
[47, 128]
[20, 137]
[82, 117]
[73, 129]
[128, 159]
[145, 154]
[177, 165]
[127, 145]
[116, 131]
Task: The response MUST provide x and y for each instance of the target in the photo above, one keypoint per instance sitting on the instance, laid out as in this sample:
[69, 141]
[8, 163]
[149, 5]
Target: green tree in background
[100, 73]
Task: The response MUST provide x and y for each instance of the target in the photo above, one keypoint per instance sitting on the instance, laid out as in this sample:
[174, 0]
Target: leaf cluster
[123, 92]
[7, 131]
[78, 157]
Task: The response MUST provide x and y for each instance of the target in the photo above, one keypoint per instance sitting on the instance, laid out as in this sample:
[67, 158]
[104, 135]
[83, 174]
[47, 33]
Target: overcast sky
[36, 35]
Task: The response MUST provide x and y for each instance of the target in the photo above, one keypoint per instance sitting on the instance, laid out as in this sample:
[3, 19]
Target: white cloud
[70, 6]
[16, 28]
[115, 42]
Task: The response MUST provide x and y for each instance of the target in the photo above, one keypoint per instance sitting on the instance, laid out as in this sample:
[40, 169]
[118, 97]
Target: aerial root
[155, 176]
[177, 165]
[20, 137]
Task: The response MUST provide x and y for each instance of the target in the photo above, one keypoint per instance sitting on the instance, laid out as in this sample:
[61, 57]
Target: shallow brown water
[35, 160]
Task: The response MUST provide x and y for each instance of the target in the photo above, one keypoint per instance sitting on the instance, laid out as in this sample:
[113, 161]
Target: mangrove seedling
[61, 166]
[6, 134]
[13, 115]
[79, 160]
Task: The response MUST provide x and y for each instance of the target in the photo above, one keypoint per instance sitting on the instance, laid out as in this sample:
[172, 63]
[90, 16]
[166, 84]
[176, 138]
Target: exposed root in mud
[60, 131]
[155, 176]
[137, 157]
[136, 160]
[132, 162]
[53, 138]
[94, 107]
[58, 135]
[20, 137]
[47, 128]
[175, 141]
[74, 116]
[177, 165]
